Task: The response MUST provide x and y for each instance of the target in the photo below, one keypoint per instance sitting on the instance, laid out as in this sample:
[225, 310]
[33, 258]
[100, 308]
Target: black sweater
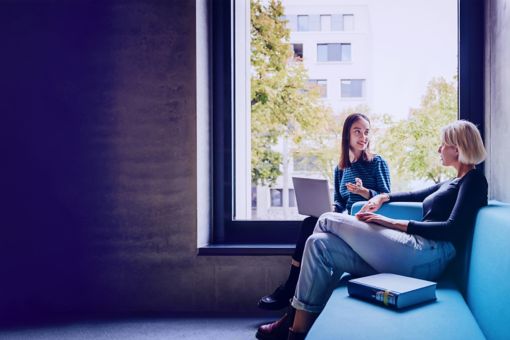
[449, 208]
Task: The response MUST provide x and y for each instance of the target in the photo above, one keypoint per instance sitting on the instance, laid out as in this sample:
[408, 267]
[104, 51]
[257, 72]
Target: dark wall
[93, 132]
[99, 165]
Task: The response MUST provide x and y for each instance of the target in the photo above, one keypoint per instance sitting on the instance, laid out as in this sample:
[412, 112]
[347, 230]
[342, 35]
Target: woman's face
[449, 154]
[358, 137]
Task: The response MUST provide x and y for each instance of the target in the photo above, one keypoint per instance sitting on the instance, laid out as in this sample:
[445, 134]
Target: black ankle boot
[295, 335]
[278, 330]
[279, 299]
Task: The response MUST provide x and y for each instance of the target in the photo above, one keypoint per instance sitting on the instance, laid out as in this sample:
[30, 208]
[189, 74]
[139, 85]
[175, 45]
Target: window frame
[227, 231]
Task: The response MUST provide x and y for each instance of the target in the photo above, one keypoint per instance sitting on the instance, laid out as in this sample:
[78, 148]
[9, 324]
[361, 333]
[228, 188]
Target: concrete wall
[99, 165]
[497, 90]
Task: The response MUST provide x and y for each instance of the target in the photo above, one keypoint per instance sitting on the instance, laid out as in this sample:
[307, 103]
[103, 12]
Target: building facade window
[254, 196]
[320, 84]
[352, 88]
[334, 52]
[336, 22]
[302, 23]
[322, 22]
[346, 52]
[348, 22]
[292, 198]
[298, 51]
[325, 23]
[276, 197]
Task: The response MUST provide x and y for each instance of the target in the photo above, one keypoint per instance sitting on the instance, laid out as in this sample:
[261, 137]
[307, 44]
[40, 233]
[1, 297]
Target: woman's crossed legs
[341, 243]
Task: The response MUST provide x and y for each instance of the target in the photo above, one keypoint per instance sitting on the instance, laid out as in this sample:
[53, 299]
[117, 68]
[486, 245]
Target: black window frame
[225, 229]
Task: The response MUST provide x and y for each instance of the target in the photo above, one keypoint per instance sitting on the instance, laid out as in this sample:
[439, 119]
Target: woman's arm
[382, 178]
[414, 196]
[471, 197]
[339, 203]
[387, 222]
[377, 201]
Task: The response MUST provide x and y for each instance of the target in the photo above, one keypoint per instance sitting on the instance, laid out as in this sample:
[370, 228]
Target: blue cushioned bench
[481, 312]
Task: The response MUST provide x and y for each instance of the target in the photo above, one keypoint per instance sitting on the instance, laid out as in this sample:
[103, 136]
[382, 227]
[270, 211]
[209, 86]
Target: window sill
[284, 249]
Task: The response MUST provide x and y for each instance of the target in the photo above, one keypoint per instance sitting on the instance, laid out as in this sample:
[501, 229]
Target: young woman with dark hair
[359, 176]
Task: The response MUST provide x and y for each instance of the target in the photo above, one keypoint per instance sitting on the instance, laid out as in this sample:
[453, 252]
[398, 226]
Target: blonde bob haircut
[466, 137]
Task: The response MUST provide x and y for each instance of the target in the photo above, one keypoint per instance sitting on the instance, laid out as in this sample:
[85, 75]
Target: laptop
[312, 196]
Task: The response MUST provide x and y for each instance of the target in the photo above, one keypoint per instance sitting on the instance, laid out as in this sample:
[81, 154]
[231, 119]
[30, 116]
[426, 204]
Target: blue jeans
[341, 243]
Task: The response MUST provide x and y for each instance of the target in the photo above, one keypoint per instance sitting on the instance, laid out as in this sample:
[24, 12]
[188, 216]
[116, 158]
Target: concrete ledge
[247, 249]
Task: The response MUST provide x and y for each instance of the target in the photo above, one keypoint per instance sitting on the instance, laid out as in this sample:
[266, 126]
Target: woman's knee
[322, 222]
[325, 221]
[317, 244]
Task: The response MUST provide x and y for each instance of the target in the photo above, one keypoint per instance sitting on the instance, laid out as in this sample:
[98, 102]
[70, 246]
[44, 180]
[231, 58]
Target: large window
[254, 159]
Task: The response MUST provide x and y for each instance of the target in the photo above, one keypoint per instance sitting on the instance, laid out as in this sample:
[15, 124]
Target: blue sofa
[474, 303]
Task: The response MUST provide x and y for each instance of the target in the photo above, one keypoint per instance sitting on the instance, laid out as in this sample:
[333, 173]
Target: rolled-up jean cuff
[307, 308]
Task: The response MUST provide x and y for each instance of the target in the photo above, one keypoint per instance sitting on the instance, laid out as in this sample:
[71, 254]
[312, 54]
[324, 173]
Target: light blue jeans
[342, 244]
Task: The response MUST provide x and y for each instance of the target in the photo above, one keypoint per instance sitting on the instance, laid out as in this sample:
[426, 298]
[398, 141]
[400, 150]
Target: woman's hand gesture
[374, 203]
[358, 188]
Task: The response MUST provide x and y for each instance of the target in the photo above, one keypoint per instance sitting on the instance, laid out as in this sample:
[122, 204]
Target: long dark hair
[366, 155]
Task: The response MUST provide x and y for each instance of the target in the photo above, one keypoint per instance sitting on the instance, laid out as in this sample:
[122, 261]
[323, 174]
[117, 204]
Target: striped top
[375, 176]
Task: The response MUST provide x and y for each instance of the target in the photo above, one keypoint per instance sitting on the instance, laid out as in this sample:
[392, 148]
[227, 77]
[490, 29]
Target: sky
[413, 41]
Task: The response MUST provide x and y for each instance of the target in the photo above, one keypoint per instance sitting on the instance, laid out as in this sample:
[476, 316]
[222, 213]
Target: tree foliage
[410, 146]
[281, 107]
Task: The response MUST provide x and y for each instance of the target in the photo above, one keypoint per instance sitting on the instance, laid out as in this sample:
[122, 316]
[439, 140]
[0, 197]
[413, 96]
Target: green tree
[410, 146]
[282, 109]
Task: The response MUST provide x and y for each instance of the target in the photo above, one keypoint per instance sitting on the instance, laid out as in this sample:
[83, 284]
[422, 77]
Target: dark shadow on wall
[55, 70]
